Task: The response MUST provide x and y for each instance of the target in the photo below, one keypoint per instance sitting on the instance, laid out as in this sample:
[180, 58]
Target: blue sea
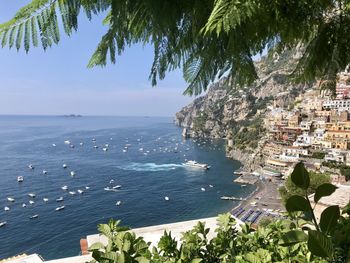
[147, 171]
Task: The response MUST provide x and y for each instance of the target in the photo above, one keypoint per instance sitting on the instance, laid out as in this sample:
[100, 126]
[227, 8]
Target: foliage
[290, 188]
[247, 134]
[318, 155]
[344, 169]
[206, 38]
[298, 239]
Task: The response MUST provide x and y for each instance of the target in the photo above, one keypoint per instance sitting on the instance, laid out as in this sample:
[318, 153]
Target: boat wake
[150, 167]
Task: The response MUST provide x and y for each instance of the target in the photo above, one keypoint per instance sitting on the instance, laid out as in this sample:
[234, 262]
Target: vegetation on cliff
[299, 238]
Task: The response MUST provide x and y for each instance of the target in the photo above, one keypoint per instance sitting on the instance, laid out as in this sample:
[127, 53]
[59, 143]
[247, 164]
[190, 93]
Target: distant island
[72, 115]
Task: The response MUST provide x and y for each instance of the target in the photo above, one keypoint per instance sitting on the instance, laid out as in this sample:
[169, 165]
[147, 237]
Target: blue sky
[58, 82]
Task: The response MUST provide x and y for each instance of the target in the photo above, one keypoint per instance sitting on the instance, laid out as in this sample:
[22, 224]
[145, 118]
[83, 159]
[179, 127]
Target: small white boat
[72, 173]
[44, 172]
[30, 166]
[6, 208]
[80, 191]
[20, 179]
[211, 186]
[203, 189]
[243, 185]
[65, 188]
[87, 187]
[117, 187]
[34, 217]
[118, 203]
[111, 181]
[24, 205]
[105, 149]
[109, 189]
[31, 202]
[60, 208]
[59, 199]
[81, 144]
[45, 199]
[3, 223]
[194, 164]
[95, 146]
[72, 193]
[124, 150]
[32, 195]
[166, 198]
[94, 140]
[10, 199]
[71, 146]
[53, 145]
[67, 142]
[64, 166]
[106, 145]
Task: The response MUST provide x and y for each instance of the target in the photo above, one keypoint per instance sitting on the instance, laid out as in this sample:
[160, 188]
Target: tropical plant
[207, 38]
[300, 238]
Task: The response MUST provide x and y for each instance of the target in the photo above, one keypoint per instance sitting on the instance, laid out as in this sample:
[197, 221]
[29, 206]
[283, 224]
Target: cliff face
[238, 113]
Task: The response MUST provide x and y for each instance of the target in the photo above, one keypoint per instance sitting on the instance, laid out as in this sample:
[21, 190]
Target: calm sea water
[146, 175]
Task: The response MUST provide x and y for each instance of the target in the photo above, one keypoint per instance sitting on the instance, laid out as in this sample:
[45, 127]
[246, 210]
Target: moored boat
[20, 179]
[3, 223]
[59, 199]
[60, 208]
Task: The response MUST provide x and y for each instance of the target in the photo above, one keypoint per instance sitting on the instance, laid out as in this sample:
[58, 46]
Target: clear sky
[58, 82]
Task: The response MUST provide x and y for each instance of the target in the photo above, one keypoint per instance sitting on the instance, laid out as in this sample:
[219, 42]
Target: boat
[105, 149]
[106, 145]
[10, 199]
[31, 202]
[243, 185]
[60, 208]
[118, 203]
[72, 192]
[166, 198]
[72, 173]
[20, 179]
[117, 187]
[24, 205]
[59, 199]
[109, 189]
[194, 164]
[6, 208]
[44, 172]
[238, 172]
[34, 217]
[45, 199]
[124, 150]
[203, 189]
[64, 166]
[65, 188]
[81, 144]
[71, 146]
[53, 145]
[87, 187]
[111, 181]
[30, 166]
[211, 186]
[94, 140]
[67, 142]
[80, 191]
[231, 198]
[95, 146]
[3, 223]
[32, 195]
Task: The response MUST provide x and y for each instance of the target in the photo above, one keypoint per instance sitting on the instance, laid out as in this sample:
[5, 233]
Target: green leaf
[96, 246]
[297, 203]
[19, 36]
[329, 218]
[319, 244]
[196, 260]
[300, 176]
[293, 237]
[142, 260]
[324, 190]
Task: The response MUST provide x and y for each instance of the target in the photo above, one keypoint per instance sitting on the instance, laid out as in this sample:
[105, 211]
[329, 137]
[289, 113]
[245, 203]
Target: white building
[340, 105]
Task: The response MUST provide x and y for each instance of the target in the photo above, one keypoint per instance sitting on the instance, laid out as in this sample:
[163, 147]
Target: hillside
[238, 113]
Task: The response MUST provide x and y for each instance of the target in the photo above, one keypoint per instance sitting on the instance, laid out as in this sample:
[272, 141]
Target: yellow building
[339, 139]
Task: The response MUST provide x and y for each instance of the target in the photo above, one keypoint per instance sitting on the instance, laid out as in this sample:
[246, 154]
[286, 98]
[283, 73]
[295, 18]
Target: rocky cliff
[237, 113]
